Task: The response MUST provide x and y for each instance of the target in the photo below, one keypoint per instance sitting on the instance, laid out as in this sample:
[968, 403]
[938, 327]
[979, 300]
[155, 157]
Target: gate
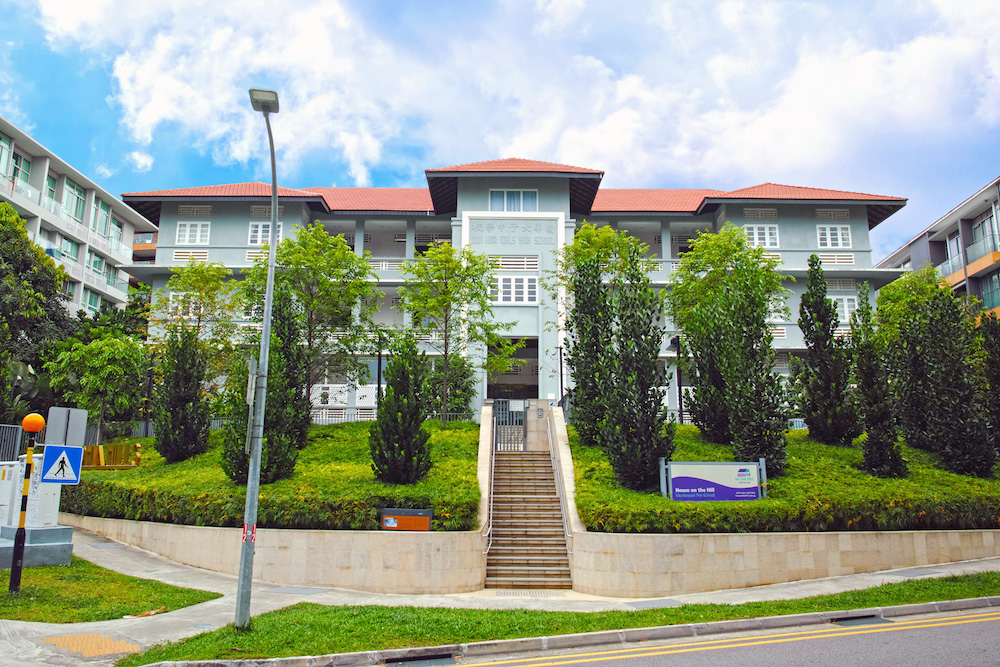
[510, 428]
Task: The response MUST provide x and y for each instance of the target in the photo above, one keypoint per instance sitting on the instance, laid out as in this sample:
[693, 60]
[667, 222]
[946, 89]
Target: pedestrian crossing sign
[61, 464]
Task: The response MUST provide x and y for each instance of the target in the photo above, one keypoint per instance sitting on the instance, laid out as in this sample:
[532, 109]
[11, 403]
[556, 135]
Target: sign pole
[32, 424]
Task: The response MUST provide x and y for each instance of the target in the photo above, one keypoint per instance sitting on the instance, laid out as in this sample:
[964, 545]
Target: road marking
[708, 645]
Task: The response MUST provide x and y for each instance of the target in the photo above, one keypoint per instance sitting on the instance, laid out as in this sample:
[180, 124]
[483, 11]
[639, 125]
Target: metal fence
[11, 437]
[510, 426]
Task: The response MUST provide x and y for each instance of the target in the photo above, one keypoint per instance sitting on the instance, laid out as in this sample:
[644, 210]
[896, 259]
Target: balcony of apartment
[991, 300]
[116, 288]
[952, 270]
[23, 190]
[69, 263]
[63, 221]
[144, 247]
[982, 256]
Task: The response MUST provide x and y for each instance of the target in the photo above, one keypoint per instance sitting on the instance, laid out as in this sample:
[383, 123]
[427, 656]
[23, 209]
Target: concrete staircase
[529, 546]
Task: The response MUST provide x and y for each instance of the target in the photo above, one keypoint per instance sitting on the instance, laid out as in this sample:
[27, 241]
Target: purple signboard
[702, 481]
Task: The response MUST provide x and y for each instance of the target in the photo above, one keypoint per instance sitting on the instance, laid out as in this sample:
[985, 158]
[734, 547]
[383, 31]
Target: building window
[92, 300]
[514, 201]
[762, 236]
[831, 236]
[192, 233]
[95, 262]
[50, 187]
[182, 305]
[515, 289]
[4, 154]
[846, 305]
[70, 248]
[760, 214]
[74, 197]
[265, 211]
[22, 168]
[833, 214]
[260, 233]
[68, 289]
[102, 218]
[906, 265]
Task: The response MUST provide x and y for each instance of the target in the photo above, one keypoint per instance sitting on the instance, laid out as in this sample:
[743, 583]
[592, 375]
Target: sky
[888, 97]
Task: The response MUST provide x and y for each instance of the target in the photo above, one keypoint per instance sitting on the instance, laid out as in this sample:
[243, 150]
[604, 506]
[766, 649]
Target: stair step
[529, 582]
[518, 560]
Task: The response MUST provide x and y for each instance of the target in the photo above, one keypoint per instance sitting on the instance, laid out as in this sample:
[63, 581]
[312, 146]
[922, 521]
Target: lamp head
[33, 423]
[264, 99]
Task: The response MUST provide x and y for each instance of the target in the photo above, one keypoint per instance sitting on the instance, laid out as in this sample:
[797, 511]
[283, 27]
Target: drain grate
[530, 594]
[297, 590]
[860, 620]
[92, 645]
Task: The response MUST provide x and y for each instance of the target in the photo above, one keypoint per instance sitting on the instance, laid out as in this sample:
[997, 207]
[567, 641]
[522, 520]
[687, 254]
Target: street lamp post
[265, 101]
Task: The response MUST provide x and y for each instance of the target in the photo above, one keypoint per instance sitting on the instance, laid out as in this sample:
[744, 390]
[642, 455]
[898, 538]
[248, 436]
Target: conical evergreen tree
[397, 439]
[180, 407]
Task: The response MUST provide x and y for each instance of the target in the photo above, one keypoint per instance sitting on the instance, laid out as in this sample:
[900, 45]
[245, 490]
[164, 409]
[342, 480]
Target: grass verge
[824, 489]
[305, 629]
[332, 487]
[82, 592]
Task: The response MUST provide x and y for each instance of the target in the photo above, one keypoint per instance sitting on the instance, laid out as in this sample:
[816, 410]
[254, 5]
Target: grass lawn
[823, 489]
[83, 591]
[333, 486]
[305, 629]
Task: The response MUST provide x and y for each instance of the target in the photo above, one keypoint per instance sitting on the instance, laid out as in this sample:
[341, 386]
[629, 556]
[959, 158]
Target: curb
[605, 637]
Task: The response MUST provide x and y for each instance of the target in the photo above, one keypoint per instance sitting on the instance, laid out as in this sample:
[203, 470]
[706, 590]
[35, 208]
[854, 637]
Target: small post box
[392, 518]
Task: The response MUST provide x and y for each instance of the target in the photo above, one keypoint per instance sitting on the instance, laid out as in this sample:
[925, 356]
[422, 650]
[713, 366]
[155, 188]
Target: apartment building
[84, 228]
[521, 212]
[963, 246]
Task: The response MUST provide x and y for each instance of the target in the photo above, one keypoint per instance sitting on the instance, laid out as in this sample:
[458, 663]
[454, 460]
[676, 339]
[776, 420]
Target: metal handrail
[563, 505]
[493, 453]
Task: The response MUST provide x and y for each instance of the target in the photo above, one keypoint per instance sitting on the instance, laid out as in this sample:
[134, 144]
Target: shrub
[588, 327]
[180, 410]
[397, 441]
[989, 327]
[825, 374]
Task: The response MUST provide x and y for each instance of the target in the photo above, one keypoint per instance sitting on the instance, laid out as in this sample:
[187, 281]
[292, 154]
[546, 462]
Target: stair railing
[557, 467]
[493, 455]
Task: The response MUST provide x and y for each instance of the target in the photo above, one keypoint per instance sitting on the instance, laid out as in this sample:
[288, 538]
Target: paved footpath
[28, 643]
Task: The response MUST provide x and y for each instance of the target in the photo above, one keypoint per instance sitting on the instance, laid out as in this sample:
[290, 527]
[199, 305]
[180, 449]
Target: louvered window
[834, 236]
[762, 236]
[193, 211]
[840, 284]
[760, 214]
[833, 214]
[265, 211]
[517, 262]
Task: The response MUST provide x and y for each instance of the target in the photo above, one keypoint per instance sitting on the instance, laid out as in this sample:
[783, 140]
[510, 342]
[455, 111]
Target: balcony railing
[28, 192]
[950, 266]
[143, 262]
[991, 299]
[386, 263]
[144, 238]
[981, 248]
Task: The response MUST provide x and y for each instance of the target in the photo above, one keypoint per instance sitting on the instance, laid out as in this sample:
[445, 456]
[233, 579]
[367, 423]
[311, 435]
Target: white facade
[85, 229]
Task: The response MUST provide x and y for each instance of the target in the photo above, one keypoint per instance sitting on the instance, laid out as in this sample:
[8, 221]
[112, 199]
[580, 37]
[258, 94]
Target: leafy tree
[989, 327]
[397, 439]
[723, 293]
[287, 408]
[634, 431]
[825, 374]
[900, 299]
[882, 457]
[935, 355]
[104, 377]
[448, 294]
[461, 383]
[204, 297]
[336, 293]
[180, 406]
[588, 346]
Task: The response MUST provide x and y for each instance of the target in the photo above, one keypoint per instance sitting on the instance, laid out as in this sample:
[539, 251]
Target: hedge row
[333, 486]
[824, 489]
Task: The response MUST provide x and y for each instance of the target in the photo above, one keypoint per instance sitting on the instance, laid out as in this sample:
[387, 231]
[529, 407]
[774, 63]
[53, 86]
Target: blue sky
[887, 97]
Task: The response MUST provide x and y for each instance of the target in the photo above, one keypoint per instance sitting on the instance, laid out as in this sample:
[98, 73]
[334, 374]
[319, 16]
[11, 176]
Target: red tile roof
[515, 164]
[376, 199]
[650, 200]
[256, 189]
[777, 191]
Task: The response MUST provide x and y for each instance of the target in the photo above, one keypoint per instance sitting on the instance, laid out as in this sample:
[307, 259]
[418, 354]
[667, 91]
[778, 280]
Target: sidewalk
[23, 643]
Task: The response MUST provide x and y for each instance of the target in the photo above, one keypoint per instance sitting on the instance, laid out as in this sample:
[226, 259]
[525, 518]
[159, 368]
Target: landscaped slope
[824, 489]
[332, 487]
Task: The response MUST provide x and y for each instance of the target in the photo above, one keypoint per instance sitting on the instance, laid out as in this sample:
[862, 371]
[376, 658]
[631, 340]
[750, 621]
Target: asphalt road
[968, 638]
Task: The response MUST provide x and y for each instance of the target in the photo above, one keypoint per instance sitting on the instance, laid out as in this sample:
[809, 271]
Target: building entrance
[521, 381]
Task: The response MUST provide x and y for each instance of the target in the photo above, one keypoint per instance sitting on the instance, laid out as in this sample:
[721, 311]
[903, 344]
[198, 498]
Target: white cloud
[104, 171]
[730, 92]
[140, 161]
